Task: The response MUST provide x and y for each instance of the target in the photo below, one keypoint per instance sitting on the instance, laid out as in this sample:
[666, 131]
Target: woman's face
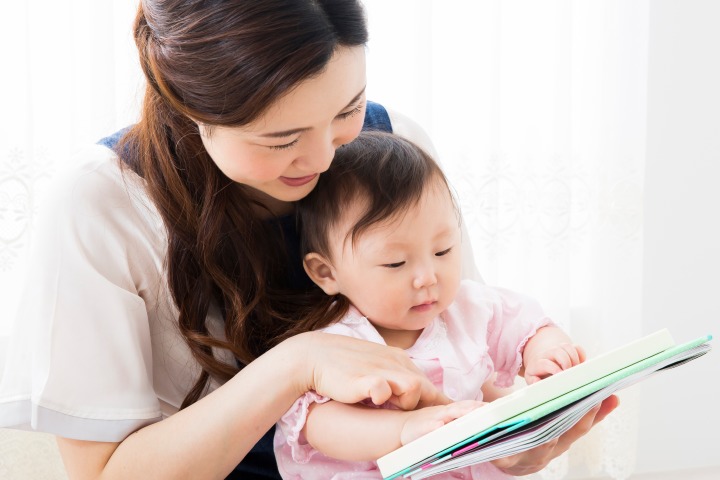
[282, 153]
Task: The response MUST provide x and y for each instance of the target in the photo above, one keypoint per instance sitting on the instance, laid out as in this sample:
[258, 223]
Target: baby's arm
[358, 433]
[549, 351]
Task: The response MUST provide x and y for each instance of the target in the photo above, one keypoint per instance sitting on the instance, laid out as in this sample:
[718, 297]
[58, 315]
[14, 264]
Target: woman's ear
[321, 271]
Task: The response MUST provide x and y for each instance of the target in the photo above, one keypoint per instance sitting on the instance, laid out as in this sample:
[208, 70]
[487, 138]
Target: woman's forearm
[207, 439]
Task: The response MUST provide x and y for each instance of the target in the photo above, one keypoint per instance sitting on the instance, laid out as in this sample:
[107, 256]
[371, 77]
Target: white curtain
[70, 76]
[537, 110]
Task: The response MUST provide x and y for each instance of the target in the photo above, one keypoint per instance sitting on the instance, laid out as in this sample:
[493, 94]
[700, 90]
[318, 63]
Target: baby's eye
[444, 252]
[394, 265]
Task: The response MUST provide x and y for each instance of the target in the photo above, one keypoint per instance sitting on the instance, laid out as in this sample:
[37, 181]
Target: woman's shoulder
[408, 128]
[95, 188]
[475, 293]
[93, 170]
[99, 214]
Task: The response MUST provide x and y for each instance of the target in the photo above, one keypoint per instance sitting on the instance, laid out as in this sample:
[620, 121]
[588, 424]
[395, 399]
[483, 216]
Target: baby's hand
[425, 420]
[552, 361]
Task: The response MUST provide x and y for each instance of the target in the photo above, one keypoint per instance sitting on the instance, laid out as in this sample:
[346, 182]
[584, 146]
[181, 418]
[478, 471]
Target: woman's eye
[284, 147]
[394, 265]
[444, 252]
[352, 112]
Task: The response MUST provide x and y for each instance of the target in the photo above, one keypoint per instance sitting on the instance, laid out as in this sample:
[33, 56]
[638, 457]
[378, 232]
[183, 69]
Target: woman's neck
[276, 209]
[269, 206]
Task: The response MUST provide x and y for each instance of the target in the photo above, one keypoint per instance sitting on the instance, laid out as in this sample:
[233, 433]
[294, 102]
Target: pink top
[482, 332]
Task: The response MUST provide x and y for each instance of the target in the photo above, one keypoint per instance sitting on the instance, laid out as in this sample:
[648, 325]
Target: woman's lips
[298, 181]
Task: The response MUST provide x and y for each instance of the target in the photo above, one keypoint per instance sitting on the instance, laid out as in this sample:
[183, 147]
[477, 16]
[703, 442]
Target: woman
[162, 265]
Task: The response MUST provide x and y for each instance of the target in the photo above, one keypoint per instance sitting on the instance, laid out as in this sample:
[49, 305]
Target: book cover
[539, 412]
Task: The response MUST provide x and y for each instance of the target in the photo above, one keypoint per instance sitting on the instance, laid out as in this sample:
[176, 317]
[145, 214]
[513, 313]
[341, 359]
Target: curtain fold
[70, 77]
[538, 112]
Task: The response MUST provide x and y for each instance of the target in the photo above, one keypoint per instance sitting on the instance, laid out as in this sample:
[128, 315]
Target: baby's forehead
[352, 226]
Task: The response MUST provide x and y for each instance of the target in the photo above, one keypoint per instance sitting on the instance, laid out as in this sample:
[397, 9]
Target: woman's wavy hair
[381, 171]
[223, 62]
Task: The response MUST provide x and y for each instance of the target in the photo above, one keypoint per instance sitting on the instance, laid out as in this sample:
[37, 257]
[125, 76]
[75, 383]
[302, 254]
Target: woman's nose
[324, 156]
[317, 158]
[322, 152]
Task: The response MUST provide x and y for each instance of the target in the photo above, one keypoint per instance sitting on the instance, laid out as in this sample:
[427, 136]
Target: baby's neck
[399, 338]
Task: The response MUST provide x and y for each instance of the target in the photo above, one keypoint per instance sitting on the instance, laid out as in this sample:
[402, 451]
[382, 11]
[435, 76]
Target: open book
[539, 412]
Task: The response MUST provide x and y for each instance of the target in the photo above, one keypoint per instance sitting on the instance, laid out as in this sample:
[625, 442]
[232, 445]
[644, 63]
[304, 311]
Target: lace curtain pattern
[58, 91]
[19, 178]
[537, 110]
[538, 113]
[29, 455]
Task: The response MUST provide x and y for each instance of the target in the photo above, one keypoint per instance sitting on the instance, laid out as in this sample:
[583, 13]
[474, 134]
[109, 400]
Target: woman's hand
[350, 370]
[536, 459]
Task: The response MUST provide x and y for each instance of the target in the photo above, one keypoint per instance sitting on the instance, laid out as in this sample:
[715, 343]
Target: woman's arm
[357, 433]
[209, 438]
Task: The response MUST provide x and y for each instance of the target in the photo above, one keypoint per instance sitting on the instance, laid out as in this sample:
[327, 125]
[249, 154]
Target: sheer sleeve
[79, 363]
[289, 438]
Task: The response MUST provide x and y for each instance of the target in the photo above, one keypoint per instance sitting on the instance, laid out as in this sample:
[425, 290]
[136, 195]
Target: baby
[381, 239]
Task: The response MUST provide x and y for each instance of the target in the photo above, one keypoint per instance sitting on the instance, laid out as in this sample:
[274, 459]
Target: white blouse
[95, 352]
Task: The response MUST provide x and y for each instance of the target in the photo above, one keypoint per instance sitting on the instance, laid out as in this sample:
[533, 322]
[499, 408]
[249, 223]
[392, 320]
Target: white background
[681, 266]
[680, 256]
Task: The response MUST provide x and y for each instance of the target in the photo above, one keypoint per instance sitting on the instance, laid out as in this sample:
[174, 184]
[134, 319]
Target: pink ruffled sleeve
[290, 443]
[515, 320]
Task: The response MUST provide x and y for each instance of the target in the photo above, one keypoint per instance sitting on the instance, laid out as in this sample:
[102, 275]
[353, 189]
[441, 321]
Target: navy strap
[111, 140]
[376, 118]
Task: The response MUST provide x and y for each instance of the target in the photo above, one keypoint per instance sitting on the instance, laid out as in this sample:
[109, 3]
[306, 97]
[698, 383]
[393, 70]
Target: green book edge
[582, 392]
[565, 399]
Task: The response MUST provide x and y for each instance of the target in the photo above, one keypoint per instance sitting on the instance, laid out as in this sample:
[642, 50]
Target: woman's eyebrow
[355, 98]
[287, 133]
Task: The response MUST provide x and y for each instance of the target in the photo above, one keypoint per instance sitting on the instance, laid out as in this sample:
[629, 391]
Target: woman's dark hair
[382, 171]
[223, 62]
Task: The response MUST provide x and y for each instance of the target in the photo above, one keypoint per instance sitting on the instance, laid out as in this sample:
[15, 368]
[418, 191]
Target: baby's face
[402, 274]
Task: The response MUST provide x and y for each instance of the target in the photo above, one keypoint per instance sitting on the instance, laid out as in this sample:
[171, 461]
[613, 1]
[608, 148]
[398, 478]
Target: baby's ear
[321, 271]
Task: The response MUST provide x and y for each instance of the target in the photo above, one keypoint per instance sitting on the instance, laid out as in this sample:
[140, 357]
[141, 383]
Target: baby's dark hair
[384, 170]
